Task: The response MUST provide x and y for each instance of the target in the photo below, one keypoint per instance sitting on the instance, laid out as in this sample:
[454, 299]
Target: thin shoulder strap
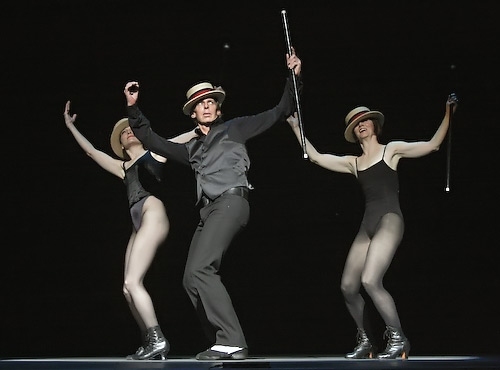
[383, 154]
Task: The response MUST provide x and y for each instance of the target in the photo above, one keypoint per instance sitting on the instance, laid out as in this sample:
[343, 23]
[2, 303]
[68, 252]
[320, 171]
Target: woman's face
[364, 129]
[127, 136]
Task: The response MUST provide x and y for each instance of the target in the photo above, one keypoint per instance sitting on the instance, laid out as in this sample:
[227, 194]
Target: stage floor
[255, 363]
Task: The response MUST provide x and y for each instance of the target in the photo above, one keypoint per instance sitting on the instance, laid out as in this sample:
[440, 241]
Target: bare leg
[128, 297]
[153, 231]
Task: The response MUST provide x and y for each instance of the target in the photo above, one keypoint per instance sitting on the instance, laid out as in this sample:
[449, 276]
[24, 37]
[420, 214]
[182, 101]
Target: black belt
[242, 191]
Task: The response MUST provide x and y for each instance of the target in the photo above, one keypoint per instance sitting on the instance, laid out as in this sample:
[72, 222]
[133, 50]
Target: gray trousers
[220, 221]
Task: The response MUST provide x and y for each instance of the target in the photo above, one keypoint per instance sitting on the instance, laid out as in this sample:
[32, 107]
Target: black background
[66, 221]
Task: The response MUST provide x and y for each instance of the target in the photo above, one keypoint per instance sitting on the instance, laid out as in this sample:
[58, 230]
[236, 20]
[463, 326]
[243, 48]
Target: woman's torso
[380, 186]
[143, 178]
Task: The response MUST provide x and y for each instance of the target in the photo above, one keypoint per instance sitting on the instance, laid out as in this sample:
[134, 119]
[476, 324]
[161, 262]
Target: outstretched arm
[180, 139]
[142, 129]
[402, 149]
[343, 164]
[102, 159]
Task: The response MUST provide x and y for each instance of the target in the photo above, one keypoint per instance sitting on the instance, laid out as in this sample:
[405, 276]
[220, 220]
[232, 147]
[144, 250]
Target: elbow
[313, 156]
[313, 160]
[431, 146]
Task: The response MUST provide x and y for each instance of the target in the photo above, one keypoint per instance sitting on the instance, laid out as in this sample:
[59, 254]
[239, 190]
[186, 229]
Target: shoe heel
[406, 351]
[397, 345]
[159, 356]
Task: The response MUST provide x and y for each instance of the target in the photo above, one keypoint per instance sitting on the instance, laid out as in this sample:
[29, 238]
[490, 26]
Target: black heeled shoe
[397, 344]
[364, 348]
[212, 355]
[156, 346]
[139, 352]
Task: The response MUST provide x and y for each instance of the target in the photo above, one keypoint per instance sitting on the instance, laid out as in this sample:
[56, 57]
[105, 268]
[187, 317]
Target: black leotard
[141, 180]
[380, 185]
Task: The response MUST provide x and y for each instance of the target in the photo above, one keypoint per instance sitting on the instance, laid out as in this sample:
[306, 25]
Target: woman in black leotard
[149, 218]
[382, 227]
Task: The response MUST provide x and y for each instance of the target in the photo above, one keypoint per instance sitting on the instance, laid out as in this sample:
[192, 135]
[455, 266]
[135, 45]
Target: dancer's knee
[193, 277]
[126, 293]
[348, 290]
[370, 285]
[130, 286]
[188, 280]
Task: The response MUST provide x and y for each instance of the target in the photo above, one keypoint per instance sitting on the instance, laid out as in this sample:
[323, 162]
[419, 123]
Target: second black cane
[448, 154]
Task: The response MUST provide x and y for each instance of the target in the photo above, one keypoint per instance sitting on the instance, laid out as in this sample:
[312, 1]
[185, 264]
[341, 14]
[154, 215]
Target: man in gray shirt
[220, 162]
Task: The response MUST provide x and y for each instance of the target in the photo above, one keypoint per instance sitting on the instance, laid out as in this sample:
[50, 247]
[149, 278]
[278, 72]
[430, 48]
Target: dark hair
[377, 127]
[219, 105]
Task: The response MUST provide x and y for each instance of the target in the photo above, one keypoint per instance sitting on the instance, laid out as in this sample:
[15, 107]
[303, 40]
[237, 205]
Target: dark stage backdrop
[66, 222]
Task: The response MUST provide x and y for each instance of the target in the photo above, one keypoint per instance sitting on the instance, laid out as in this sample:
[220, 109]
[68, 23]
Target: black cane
[294, 80]
[453, 83]
[448, 154]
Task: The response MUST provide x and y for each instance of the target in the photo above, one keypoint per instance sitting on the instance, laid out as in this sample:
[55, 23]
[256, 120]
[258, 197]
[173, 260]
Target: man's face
[206, 111]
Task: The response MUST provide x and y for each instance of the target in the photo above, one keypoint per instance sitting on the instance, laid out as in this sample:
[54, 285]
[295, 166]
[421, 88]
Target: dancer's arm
[104, 160]
[337, 163]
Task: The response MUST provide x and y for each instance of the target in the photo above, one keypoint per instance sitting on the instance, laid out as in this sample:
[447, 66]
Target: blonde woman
[137, 167]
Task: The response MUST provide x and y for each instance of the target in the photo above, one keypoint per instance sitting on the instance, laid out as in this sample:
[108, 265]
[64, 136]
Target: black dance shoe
[212, 355]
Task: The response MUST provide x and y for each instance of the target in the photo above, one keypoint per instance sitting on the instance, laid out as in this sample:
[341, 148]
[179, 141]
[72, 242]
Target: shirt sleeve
[247, 127]
[141, 127]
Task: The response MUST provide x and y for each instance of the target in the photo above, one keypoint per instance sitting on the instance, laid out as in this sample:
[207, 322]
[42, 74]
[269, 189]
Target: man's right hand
[131, 92]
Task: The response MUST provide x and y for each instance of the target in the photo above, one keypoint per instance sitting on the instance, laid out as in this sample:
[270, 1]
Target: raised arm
[343, 164]
[403, 149]
[171, 149]
[104, 160]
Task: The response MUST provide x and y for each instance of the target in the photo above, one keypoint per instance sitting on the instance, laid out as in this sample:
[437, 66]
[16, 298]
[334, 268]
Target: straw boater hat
[116, 144]
[202, 91]
[357, 115]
